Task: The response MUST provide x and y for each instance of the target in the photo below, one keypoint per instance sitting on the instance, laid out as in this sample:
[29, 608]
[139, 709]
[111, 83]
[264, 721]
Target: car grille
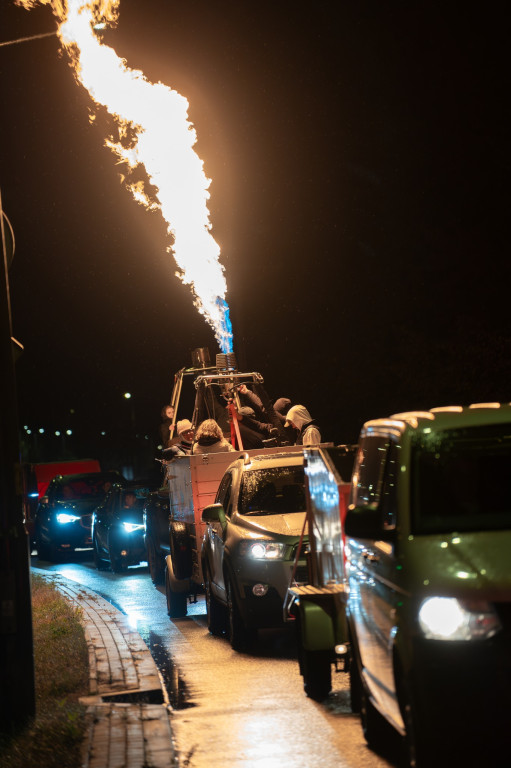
[86, 522]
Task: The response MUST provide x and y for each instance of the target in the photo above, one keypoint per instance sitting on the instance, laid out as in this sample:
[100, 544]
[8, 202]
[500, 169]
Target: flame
[154, 133]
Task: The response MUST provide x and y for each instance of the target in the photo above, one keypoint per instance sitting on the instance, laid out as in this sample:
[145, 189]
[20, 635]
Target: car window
[460, 479]
[224, 491]
[273, 491]
[369, 468]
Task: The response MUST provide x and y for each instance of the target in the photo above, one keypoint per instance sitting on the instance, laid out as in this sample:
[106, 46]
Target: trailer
[318, 608]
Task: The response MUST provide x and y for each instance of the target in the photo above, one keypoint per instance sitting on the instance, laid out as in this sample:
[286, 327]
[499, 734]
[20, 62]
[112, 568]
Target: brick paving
[128, 710]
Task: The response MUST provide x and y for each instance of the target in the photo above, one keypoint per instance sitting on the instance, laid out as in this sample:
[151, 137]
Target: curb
[127, 707]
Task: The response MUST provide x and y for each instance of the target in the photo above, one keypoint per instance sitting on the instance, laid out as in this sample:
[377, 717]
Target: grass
[53, 739]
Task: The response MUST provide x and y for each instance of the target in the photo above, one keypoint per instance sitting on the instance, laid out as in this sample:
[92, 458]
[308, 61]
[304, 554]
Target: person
[185, 433]
[302, 422]
[252, 431]
[130, 500]
[167, 416]
[209, 438]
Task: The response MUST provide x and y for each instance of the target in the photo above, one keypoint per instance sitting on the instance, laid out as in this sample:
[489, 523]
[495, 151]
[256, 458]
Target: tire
[156, 562]
[99, 562]
[239, 636]
[43, 549]
[180, 549]
[317, 673]
[374, 726]
[176, 601]
[116, 562]
[355, 681]
[215, 611]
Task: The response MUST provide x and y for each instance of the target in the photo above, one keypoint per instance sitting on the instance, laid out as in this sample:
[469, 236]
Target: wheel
[374, 726]
[180, 549]
[176, 601]
[239, 635]
[156, 562]
[215, 611]
[317, 673]
[43, 549]
[116, 561]
[99, 562]
[355, 682]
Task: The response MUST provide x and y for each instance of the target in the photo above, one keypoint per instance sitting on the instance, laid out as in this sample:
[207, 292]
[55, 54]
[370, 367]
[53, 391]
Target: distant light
[29, 431]
[69, 431]
[25, 427]
[127, 395]
[41, 431]
[103, 433]
[57, 433]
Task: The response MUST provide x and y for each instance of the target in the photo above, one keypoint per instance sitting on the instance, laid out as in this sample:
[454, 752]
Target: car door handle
[371, 557]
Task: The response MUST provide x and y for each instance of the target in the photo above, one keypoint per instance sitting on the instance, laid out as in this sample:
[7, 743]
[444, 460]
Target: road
[246, 710]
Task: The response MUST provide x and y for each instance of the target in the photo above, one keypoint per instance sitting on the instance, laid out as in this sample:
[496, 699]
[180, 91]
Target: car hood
[290, 524]
[476, 563]
[79, 507]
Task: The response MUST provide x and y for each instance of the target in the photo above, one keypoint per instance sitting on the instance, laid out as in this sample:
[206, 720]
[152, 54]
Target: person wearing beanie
[183, 447]
[300, 419]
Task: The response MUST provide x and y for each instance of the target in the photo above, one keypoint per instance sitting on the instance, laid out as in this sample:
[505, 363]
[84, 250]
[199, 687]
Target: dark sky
[360, 160]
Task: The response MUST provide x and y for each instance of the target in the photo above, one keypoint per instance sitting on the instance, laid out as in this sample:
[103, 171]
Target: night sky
[359, 156]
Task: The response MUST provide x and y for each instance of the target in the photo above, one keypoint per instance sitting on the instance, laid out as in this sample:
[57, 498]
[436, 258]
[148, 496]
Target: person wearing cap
[183, 447]
[300, 419]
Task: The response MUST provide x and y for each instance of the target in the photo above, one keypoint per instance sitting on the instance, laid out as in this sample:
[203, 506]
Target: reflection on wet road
[246, 710]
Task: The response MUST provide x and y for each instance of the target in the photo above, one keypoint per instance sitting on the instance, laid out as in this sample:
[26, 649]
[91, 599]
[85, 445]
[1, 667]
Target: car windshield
[272, 491]
[84, 488]
[461, 480]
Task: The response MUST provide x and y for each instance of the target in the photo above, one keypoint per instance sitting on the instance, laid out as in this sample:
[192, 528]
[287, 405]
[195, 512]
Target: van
[428, 556]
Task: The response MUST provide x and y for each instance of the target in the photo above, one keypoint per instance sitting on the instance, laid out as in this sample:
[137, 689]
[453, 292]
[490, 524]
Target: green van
[428, 547]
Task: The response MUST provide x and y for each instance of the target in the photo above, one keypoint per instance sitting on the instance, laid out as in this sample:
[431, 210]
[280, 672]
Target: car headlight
[447, 618]
[132, 527]
[66, 517]
[263, 550]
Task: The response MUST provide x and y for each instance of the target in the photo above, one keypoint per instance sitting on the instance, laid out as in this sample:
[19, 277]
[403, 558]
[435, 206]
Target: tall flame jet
[153, 132]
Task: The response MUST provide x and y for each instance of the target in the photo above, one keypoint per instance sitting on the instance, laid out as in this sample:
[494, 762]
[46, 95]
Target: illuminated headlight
[446, 618]
[263, 550]
[132, 527]
[66, 517]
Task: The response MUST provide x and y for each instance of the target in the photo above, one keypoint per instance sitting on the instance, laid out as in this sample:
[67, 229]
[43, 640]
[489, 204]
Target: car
[118, 528]
[156, 532]
[248, 552]
[62, 521]
[428, 533]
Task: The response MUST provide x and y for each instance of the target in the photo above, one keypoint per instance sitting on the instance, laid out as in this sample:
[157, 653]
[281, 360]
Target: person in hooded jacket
[300, 419]
[209, 438]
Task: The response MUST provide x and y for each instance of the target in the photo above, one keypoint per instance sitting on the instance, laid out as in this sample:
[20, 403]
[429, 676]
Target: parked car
[428, 534]
[156, 532]
[118, 528]
[62, 520]
[249, 547]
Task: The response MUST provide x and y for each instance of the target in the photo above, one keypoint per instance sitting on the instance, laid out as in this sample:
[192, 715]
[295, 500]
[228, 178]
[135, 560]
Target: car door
[216, 536]
[374, 594]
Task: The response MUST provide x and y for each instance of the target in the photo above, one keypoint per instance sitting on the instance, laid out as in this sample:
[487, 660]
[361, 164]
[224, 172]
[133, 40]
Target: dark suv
[63, 516]
[428, 536]
[250, 544]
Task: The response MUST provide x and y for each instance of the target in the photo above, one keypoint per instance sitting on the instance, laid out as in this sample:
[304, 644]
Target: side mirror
[44, 500]
[366, 523]
[214, 513]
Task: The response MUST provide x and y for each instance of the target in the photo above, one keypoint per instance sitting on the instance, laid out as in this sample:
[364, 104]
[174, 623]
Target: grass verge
[54, 738]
